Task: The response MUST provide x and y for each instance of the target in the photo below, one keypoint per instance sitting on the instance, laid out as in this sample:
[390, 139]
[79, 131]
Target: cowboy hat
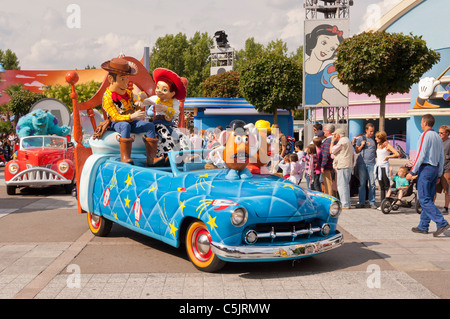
[120, 66]
[160, 74]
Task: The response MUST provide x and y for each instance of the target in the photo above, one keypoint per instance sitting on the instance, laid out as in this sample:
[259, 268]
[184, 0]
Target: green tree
[272, 82]
[197, 63]
[9, 60]
[250, 52]
[84, 90]
[168, 52]
[382, 63]
[224, 85]
[188, 58]
[21, 101]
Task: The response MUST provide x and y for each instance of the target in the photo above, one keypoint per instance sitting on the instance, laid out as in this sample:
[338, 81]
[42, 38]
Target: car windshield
[195, 160]
[43, 141]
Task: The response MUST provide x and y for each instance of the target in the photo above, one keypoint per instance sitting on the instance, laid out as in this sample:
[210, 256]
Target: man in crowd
[327, 160]
[443, 183]
[429, 166]
[343, 164]
[366, 147]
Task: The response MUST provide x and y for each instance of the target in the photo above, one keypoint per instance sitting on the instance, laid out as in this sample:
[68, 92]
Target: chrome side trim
[38, 176]
[277, 252]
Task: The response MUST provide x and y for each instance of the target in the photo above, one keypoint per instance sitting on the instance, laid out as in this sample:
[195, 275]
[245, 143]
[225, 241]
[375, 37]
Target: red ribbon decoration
[335, 30]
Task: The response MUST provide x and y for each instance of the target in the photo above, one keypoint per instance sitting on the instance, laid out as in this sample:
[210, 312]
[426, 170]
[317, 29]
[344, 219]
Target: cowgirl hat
[170, 78]
[120, 66]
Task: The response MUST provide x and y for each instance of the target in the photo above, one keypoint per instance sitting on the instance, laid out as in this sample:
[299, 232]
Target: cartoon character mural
[427, 86]
[322, 86]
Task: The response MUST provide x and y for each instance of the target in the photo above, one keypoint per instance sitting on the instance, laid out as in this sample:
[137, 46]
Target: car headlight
[239, 216]
[335, 209]
[63, 167]
[13, 168]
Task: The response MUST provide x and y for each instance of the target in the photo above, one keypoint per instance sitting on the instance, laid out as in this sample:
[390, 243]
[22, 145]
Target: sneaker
[360, 206]
[373, 206]
[445, 211]
[379, 207]
[418, 230]
[441, 230]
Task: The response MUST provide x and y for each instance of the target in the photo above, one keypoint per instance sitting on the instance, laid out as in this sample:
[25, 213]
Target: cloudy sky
[61, 34]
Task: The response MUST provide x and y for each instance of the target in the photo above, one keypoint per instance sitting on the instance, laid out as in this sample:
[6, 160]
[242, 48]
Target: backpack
[290, 144]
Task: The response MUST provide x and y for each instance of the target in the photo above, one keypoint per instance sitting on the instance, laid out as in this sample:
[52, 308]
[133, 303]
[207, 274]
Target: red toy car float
[41, 161]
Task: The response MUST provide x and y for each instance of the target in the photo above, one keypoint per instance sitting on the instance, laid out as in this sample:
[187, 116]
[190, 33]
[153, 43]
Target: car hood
[40, 156]
[268, 196]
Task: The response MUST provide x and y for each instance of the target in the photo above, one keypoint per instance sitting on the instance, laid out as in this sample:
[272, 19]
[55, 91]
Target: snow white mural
[322, 86]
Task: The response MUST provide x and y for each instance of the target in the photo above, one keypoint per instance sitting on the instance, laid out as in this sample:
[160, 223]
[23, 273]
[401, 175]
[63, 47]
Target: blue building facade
[212, 112]
[428, 19]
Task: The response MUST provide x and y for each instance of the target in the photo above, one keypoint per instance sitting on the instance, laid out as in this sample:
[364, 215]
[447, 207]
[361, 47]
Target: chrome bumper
[38, 176]
[268, 253]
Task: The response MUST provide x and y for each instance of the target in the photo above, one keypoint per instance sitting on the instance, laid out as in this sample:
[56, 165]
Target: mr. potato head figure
[239, 143]
[259, 161]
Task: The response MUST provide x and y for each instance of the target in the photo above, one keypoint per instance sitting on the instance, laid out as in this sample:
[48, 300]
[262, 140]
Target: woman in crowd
[385, 151]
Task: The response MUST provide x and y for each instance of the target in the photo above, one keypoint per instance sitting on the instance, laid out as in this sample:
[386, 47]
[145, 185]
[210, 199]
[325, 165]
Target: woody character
[119, 103]
[170, 89]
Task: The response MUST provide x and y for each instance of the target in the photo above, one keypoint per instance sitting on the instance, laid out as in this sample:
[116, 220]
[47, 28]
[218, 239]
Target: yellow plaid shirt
[118, 114]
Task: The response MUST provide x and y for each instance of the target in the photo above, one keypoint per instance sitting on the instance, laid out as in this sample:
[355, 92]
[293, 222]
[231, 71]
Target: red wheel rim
[201, 241]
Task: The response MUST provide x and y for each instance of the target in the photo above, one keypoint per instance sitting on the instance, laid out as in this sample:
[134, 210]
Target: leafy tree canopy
[272, 81]
[381, 63]
[9, 60]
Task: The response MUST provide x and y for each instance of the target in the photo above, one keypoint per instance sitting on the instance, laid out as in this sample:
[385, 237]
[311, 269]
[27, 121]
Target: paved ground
[381, 258]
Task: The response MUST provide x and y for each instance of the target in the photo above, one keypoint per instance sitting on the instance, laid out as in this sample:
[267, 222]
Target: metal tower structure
[331, 9]
[222, 56]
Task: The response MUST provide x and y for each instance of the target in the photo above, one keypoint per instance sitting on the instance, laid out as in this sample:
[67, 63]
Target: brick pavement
[39, 269]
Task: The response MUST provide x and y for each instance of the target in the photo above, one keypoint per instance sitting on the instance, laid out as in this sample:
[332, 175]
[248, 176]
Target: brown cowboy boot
[150, 148]
[125, 150]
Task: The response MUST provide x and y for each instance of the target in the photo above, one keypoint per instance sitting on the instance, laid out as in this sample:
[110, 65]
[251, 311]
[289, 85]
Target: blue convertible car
[191, 203]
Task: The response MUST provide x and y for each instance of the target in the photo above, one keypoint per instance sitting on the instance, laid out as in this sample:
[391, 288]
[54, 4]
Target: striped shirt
[327, 161]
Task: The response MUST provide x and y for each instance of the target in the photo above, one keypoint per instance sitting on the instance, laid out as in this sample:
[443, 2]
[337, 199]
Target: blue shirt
[431, 151]
[369, 151]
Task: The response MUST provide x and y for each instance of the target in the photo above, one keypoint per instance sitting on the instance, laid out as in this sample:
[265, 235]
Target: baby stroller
[409, 200]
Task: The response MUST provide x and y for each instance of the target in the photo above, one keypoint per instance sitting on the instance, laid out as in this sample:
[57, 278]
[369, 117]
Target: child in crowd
[297, 169]
[285, 166]
[401, 183]
[298, 146]
[310, 160]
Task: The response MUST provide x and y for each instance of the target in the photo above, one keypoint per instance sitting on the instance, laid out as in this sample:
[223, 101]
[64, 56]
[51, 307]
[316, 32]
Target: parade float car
[42, 161]
[264, 218]
[192, 203]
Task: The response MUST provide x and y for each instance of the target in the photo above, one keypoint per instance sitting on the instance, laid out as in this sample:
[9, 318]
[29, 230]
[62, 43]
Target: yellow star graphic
[151, 189]
[173, 229]
[129, 181]
[212, 222]
[127, 202]
[182, 205]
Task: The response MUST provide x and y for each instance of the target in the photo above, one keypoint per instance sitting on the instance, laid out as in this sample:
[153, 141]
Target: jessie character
[236, 153]
[170, 89]
[119, 103]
